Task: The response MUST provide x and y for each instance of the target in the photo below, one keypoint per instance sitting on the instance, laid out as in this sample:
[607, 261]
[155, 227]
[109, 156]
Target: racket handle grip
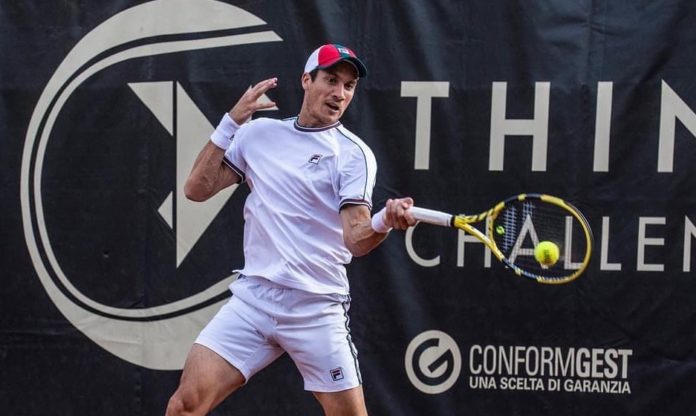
[431, 216]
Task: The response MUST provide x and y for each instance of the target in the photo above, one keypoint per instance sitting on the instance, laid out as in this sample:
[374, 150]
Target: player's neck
[310, 119]
[310, 122]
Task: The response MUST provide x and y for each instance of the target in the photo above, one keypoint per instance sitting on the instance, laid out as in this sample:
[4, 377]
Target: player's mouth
[334, 107]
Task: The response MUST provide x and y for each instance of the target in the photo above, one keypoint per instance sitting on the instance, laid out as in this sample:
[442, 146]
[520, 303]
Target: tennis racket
[516, 226]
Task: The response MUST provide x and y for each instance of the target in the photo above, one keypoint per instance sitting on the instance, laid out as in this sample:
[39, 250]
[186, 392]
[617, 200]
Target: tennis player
[307, 214]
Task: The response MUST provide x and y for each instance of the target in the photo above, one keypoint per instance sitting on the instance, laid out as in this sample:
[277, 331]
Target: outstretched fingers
[248, 104]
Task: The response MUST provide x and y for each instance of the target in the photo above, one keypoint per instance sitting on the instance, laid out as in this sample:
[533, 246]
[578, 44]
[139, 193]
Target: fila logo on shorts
[336, 374]
[315, 159]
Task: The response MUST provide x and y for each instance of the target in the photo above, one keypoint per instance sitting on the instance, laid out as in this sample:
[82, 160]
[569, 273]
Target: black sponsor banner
[109, 272]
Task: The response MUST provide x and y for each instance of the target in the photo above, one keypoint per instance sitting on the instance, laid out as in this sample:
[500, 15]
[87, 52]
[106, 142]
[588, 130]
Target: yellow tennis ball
[546, 253]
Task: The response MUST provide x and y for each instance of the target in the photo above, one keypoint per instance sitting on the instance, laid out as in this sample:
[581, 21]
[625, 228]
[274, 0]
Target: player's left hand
[248, 104]
[397, 213]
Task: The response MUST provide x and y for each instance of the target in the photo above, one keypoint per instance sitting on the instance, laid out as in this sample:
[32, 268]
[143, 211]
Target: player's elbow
[356, 248]
[196, 191]
[358, 252]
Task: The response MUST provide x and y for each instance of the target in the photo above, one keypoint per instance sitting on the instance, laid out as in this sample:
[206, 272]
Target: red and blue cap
[330, 54]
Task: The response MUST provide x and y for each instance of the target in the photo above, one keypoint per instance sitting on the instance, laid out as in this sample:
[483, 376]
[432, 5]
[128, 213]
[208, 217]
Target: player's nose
[339, 93]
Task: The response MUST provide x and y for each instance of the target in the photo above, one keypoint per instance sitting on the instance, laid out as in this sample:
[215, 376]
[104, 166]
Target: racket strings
[522, 225]
[509, 219]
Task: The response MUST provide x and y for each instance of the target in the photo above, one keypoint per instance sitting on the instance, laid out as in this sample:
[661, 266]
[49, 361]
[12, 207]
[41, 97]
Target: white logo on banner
[433, 365]
[544, 368]
[433, 362]
[157, 337]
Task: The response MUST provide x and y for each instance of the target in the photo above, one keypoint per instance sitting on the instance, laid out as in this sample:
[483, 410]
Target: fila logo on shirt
[120, 216]
[315, 159]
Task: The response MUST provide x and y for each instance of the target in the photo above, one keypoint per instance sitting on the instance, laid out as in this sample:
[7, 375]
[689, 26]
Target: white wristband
[378, 222]
[223, 134]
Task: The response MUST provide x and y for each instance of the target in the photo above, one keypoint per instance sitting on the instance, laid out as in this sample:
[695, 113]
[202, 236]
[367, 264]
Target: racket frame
[464, 222]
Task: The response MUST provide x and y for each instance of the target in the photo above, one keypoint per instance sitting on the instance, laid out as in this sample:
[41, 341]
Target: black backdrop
[107, 273]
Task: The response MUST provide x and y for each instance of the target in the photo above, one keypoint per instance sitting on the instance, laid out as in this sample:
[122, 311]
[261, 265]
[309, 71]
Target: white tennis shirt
[299, 179]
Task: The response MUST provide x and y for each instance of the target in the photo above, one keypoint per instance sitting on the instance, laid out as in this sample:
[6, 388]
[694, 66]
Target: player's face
[328, 96]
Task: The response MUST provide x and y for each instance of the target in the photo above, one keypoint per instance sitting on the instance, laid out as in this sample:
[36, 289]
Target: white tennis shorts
[263, 319]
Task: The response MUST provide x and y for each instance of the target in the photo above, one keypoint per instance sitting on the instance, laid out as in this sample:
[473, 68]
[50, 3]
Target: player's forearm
[206, 175]
[362, 238]
[359, 236]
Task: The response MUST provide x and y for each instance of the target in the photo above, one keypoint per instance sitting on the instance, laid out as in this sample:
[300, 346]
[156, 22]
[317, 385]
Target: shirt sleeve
[357, 175]
[234, 155]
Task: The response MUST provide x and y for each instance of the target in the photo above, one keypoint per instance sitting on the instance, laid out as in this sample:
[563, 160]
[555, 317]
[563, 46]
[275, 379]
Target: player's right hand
[248, 104]
[397, 213]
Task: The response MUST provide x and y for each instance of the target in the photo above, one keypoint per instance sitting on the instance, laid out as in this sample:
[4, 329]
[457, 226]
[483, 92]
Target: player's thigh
[349, 402]
[206, 380]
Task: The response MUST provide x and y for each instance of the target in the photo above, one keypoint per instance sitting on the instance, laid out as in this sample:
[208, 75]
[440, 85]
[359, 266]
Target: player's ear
[306, 80]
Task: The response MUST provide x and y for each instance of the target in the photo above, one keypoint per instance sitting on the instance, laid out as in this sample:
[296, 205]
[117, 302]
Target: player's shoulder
[352, 141]
[261, 127]
[343, 130]
[267, 122]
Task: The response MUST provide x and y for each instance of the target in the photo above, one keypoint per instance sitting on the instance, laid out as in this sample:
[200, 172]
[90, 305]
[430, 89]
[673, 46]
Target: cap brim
[357, 63]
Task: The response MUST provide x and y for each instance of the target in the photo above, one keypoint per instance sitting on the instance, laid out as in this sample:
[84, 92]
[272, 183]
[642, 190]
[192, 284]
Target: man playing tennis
[308, 212]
